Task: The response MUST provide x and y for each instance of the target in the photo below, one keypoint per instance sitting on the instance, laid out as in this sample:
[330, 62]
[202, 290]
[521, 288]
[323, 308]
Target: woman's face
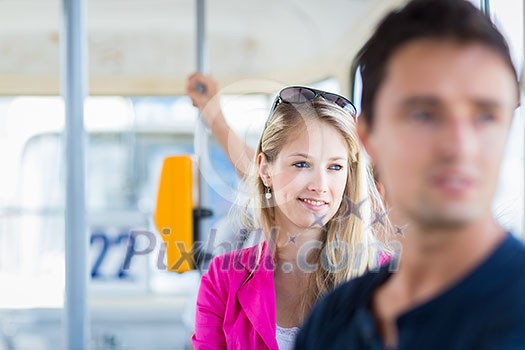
[308, 177]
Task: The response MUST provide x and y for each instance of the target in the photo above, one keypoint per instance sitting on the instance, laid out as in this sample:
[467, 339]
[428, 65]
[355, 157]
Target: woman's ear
[264, 168]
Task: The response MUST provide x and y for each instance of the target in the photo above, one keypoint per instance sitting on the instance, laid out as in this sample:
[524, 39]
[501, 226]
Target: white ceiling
[148, 47]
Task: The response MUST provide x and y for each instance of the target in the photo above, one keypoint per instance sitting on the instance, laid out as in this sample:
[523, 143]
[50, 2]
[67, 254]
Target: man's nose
[458, 139]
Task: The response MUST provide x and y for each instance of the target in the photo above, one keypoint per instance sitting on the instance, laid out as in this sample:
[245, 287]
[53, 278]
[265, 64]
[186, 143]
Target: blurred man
[439, 92]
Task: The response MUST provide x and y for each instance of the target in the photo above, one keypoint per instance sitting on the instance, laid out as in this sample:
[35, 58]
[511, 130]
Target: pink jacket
[236, 303]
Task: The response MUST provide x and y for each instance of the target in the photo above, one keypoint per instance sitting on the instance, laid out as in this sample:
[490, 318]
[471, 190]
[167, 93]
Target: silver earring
[267, 193]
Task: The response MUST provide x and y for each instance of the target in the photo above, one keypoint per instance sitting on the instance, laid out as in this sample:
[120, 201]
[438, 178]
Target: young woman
[313, 198]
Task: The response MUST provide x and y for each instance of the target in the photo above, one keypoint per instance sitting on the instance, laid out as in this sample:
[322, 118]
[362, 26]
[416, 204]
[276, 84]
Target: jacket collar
[254, 261]
[257, 293]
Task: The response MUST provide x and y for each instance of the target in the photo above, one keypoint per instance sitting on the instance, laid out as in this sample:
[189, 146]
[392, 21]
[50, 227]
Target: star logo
[291, 239]
[354, 208]
[379, 218]
[318, 220]
[400, 230]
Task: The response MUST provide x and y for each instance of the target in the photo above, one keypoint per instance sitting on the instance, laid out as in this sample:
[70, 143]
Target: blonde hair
[356, 230]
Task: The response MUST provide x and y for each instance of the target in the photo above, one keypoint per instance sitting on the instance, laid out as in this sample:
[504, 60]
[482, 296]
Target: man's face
[442, 116]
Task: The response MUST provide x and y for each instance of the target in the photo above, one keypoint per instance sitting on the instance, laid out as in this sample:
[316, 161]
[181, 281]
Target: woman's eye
[336, 167]
[301, 165]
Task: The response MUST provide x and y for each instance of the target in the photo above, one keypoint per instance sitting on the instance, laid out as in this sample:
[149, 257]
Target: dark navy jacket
[485, 310]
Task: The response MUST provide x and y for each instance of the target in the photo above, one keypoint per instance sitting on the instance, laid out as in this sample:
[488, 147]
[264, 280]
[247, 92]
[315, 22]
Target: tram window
[123, 159]
[508, 16]
[509, 205]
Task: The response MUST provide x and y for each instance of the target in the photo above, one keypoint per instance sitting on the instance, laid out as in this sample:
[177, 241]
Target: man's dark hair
[457, 20]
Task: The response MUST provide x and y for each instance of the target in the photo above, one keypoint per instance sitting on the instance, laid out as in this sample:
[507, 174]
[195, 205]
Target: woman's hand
[204, 94]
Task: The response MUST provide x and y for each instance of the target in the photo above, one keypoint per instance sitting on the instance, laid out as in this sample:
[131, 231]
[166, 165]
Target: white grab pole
[74, 88]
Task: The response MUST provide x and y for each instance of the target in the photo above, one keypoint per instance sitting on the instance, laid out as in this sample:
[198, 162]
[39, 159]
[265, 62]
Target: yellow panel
[174, 212]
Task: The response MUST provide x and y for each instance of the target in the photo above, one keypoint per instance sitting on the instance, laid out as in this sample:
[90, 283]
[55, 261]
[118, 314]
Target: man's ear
[364, 131]
[264, 168]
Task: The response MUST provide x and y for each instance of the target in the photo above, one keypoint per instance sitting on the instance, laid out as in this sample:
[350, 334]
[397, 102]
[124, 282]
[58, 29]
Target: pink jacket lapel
[257, 295]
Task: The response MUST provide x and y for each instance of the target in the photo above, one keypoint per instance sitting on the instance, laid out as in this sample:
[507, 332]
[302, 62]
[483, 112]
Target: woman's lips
[313, 204]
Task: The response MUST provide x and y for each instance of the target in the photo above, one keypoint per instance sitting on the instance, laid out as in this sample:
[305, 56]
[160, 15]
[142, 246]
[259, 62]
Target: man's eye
[485, 117]
[422, 116]
[300, 165]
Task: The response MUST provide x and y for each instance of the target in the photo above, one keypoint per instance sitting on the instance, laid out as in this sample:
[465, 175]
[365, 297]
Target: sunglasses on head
[303, 94]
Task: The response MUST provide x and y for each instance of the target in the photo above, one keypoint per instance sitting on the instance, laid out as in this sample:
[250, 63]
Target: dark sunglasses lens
[341, 102]
[297, 95]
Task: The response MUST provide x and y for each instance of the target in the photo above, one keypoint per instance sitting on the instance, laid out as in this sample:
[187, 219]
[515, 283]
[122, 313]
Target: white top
[286, 337]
